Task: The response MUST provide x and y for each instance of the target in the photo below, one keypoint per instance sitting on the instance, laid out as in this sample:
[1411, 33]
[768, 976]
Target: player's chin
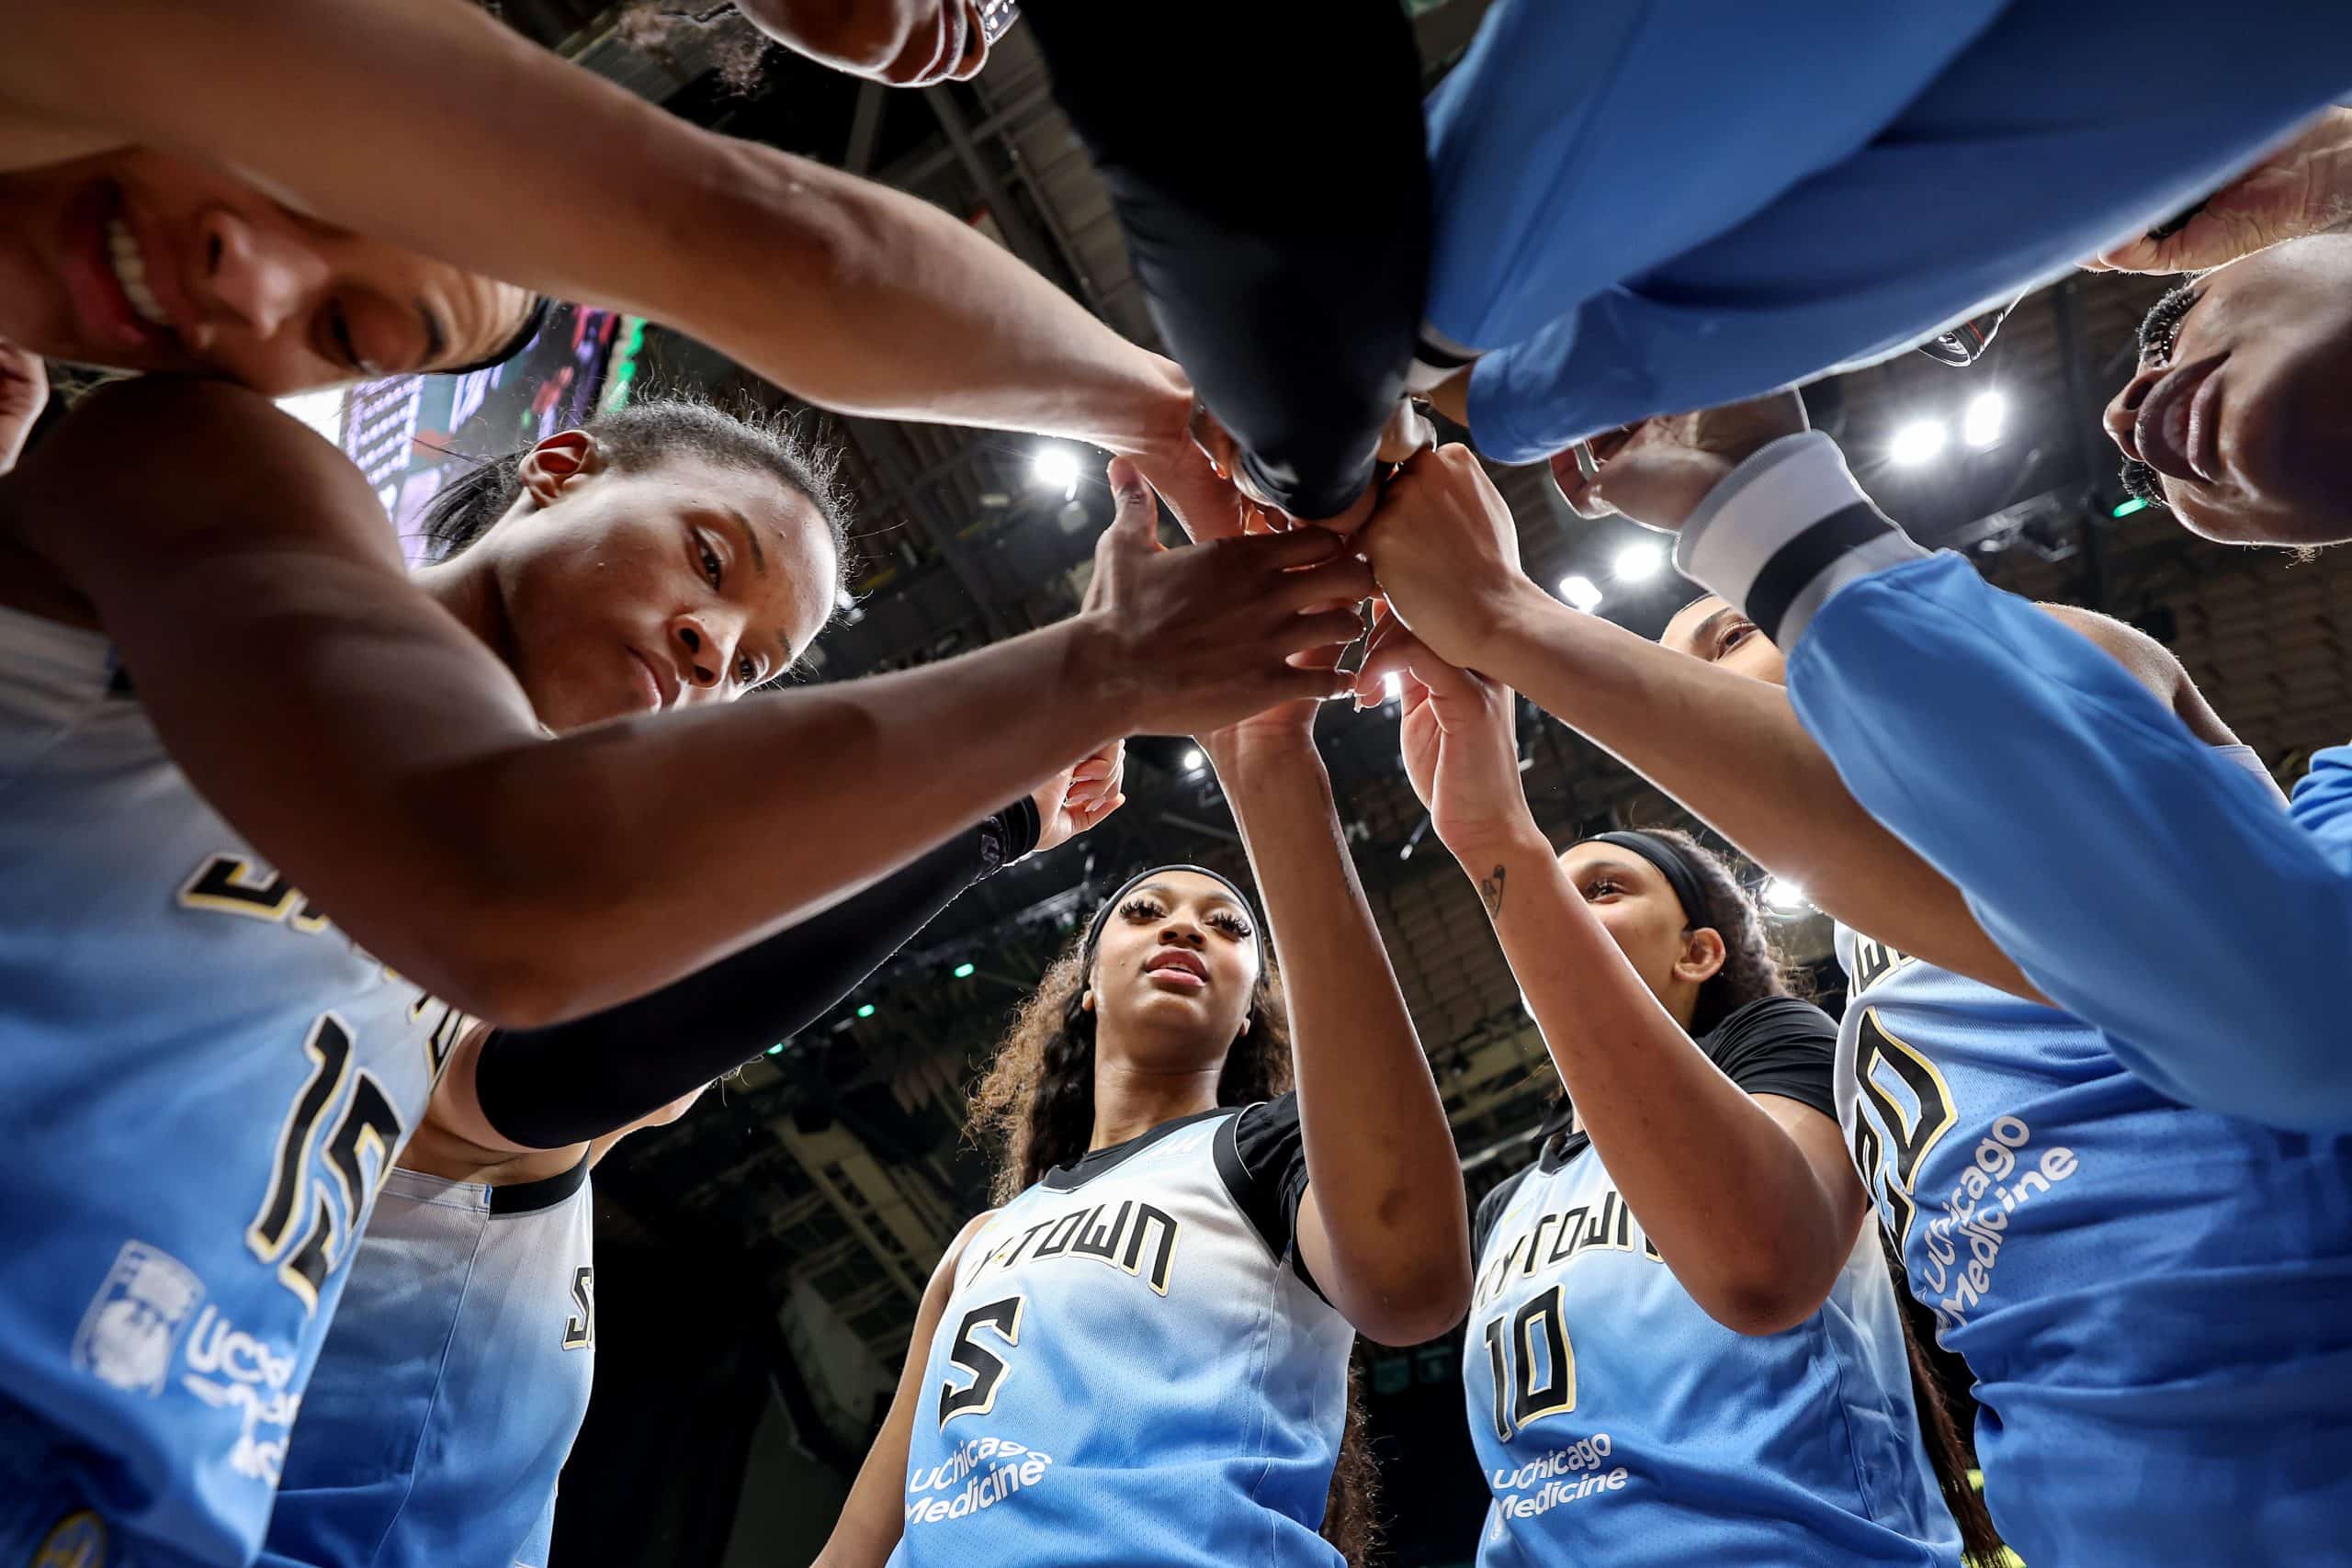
[2306, 518]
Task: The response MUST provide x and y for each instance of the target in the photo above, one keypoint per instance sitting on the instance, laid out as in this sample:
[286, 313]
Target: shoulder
[146, 455]
[2151, 664]
[1780, 1045]
[1770, 1018]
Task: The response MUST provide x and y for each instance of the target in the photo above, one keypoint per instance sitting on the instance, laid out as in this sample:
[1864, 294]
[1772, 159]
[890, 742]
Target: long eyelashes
[1231, 925]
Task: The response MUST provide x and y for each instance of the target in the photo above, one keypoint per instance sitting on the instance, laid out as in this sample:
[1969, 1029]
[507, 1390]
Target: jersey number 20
[988, 1369]
[1537, 1330]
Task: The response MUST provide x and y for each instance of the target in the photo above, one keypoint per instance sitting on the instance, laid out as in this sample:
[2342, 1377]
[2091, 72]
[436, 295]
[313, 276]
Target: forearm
[1731, 750]
[844, 292]
[540, 1088]
[1731, 1202]
[1380, 1155]
[645, 850]
[2083, 819]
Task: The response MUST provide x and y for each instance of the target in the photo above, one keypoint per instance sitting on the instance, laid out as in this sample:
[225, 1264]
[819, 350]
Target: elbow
[1411, 1306]
[1762, 1298]
[509, 990]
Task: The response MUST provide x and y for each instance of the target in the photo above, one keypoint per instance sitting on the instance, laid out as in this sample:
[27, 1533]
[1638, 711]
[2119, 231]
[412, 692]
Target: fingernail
[1126, 480]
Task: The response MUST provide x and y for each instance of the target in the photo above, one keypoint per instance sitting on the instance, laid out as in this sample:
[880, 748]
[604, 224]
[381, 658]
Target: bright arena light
[1392, 688]
[1639, 562]
[1917, 441]
[1981, 425]
[1581, 592]
[1053, 468]
[1780, 893]
[1193, 759]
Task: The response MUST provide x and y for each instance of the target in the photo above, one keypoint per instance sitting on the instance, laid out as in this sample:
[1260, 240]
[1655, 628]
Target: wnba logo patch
[135, 1321]
[78, 1541]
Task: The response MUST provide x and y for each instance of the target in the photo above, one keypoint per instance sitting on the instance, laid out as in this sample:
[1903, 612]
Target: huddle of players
[499, 951]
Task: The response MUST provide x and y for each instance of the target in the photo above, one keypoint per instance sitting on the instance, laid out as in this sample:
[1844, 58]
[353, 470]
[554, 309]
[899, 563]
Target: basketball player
[2150, 1294]
[300, 196]
[213, 1071]
[1141, 1355]
[455, 1374]
[1685, 1346]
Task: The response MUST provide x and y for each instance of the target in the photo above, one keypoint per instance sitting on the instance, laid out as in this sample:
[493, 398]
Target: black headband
[1670, 865]
[1109, 905]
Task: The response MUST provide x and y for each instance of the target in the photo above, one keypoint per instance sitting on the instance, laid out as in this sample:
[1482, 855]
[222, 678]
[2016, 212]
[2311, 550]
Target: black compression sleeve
[548, 1087]
[1268, 163]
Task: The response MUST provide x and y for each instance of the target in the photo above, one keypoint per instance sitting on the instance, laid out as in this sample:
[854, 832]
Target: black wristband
[1009, 835]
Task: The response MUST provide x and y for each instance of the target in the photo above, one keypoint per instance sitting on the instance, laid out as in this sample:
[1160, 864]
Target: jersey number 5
[1539, 1323]
[987, 1368]
[369, 1125]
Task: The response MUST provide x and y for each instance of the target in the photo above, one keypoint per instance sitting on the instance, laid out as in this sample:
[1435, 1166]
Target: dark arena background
[760, 1261]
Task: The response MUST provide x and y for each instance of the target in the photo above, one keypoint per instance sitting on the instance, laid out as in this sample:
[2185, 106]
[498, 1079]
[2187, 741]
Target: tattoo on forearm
[1491, 892]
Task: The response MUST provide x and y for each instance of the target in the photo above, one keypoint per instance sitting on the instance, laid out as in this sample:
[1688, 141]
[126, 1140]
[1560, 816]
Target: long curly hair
[1034, 1110]
[1754, 967]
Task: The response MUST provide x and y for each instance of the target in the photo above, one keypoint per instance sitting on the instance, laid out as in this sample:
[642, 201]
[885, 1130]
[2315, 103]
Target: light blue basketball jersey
[202, 1082]
[1127, 1373]
[452, 1384]
[2157, 1301]
[1618, 1424]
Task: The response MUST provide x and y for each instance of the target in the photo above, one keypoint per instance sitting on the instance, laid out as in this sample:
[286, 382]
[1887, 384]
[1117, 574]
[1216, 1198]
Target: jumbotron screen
[411, 433]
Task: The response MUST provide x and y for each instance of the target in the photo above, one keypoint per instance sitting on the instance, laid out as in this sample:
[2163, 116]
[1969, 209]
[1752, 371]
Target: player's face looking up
[1630, 900]
[142, 262]
[1174, 973]
[2240, 416]
[617, 592]
[1710, 629]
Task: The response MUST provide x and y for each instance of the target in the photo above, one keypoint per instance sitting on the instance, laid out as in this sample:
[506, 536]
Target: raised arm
[836, 289]
[1728, 747]
[874, 1516]
[376, 753]
[2147, 881]
[1751, 1198]
[1383, 1227]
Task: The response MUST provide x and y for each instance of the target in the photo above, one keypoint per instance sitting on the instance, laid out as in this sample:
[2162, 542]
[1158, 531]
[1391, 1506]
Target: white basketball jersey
[1128, 1372]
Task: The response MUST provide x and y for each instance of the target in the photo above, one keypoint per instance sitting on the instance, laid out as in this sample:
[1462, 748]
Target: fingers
[1407, 431]
[1583, 495]
[1294, 684]
[1283, 552]
[1135, 527]
[1338, 627]
[1343, 581]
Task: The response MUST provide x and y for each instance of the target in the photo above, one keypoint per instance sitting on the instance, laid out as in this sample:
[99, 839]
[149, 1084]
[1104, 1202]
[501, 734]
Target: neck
[467, 587]
[1130, 1100]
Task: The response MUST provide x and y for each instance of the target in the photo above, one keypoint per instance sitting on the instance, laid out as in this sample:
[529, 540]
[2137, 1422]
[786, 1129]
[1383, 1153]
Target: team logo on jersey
[134, 1324]
[231, 1369]
[78, 1541]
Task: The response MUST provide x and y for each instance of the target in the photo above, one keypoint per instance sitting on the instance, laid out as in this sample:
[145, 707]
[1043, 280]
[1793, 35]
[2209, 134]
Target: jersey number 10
[1539, 1322]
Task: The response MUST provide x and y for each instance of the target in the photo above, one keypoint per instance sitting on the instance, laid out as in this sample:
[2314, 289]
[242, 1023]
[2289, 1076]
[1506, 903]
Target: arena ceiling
[838, 1168]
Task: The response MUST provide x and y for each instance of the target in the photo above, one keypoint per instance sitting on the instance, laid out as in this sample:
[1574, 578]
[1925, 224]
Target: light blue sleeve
[2145, 881]
[1648, 206]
